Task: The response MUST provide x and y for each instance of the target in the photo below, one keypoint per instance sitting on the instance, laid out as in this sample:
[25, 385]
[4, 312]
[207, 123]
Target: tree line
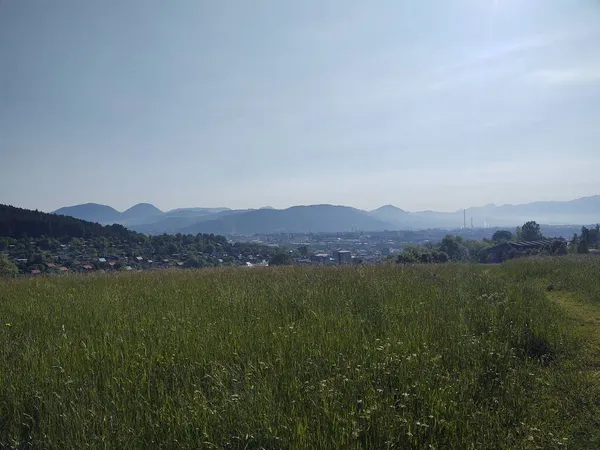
[455, 248]
[589, 238]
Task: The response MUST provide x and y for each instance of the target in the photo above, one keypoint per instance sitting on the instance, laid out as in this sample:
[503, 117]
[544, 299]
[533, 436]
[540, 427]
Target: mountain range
[146, 218]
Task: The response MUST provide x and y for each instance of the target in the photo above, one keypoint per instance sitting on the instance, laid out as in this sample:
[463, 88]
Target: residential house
[320, 258]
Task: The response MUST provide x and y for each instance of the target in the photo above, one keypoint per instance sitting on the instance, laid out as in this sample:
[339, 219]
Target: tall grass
[388, 357]
[574, 273]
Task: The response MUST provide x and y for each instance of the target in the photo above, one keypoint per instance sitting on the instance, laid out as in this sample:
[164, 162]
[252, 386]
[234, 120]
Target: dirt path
[585, 318]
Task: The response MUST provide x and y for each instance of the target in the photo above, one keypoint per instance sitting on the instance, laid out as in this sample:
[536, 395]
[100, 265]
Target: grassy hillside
[385, 357]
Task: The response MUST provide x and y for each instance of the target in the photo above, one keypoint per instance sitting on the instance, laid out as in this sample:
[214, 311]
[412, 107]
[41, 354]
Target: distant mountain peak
[144, 208]
[144, 205]
[296, 219]
[326, 217]
[389, 207]
[91, 212]
[88, 205]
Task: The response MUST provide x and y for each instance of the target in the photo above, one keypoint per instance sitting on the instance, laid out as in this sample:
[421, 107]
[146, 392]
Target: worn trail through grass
[584, 318]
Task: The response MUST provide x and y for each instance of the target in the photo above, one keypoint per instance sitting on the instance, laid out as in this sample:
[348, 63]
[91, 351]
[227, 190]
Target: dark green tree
[453, 246]
[7, 267]
[585, 235]
[583, 247]
[530, 231]
[191, 263]
[36, 259]
[594, 237]
[409, 256]
[502, 235]
[426, 258]
[280, 259]
[441, 257]
[556, 247]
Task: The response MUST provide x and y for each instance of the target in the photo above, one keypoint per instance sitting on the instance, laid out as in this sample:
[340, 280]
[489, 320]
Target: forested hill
[33, 242]
[23, 223]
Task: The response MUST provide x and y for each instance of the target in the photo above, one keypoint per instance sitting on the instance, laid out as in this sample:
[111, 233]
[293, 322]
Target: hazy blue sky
[421, 103]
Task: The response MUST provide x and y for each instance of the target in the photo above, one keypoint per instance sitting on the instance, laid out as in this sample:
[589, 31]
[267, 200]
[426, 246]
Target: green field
[456, 356]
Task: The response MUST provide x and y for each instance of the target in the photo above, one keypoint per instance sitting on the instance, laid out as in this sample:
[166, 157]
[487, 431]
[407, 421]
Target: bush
[7, 267]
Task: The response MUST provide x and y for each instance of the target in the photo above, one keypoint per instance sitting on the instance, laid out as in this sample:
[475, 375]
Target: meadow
[437, 357]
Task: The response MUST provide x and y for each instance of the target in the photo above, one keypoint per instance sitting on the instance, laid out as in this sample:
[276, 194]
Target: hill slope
[92, 212]
[182, 221]
[20, 223]
[141, 211]
[146, 218]
[584, 210]
[403, 219]
[297, 219]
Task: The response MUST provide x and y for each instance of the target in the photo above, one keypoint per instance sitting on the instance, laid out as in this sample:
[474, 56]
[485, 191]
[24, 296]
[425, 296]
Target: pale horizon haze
[424, 104]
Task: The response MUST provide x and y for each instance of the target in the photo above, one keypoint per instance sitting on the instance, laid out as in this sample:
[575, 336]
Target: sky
[424, 104]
